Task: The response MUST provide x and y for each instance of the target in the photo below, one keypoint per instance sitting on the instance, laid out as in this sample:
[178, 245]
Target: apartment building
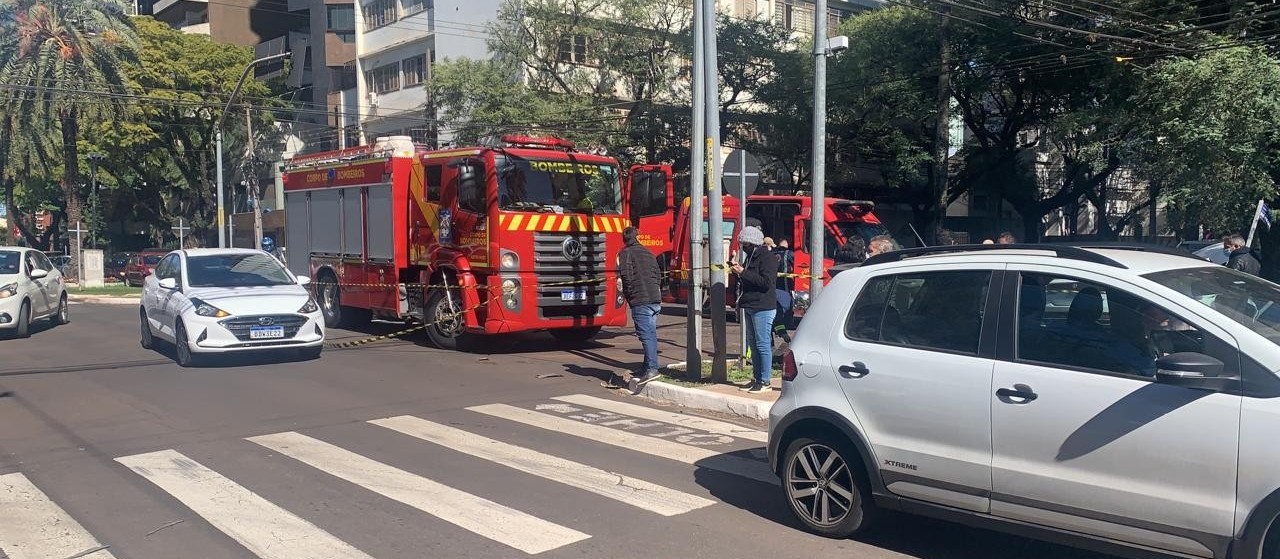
[238, 22]
[397, 43]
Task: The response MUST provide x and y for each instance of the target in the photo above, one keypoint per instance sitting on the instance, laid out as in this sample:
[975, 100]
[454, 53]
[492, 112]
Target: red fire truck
[521, 235]
[786, 217]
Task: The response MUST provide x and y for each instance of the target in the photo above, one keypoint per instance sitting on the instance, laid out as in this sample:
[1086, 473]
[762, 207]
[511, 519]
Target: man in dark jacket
[757, 277]
[642, 286]
[1240, 257]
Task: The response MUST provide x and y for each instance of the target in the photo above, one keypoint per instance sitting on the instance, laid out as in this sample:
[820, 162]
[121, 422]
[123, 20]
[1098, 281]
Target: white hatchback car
[215, 301]
[1121, 398]
[31, 288]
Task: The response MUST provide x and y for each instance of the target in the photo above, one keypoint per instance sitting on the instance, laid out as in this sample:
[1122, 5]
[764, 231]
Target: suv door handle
[1019, 394]
[857, 370]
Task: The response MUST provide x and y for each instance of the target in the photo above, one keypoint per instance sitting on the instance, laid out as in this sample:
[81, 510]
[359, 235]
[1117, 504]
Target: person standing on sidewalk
[1239, 257]
[757, 278]
[642, 286]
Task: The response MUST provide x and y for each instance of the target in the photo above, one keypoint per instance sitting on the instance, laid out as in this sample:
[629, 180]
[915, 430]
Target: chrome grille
[240, 325]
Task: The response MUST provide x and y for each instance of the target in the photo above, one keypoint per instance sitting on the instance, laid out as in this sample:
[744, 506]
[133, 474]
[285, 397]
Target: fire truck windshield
[555, 186]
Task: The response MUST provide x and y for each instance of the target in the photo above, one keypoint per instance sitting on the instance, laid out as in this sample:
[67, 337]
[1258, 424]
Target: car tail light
[789, 369]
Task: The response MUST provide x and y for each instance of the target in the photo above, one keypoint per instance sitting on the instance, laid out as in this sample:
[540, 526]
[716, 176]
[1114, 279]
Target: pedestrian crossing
[34, 526]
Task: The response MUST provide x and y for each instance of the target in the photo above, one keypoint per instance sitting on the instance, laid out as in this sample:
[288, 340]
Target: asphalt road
[392, 450]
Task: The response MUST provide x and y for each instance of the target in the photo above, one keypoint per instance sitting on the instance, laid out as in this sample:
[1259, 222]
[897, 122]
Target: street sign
[741, 171]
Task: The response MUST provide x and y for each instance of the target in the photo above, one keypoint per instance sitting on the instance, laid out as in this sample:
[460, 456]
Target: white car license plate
[266, 332]
[573, 295]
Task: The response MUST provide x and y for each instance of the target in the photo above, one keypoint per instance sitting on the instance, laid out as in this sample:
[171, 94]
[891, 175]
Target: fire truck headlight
[510, 287]
[509, 260]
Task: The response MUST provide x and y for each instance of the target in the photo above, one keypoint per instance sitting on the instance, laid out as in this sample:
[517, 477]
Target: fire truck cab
[517, 236]
[784, 218]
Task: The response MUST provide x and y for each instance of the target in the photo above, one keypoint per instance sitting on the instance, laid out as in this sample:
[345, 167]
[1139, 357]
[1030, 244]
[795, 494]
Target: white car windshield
[9, 262]
[236, 270]
[1249, 300]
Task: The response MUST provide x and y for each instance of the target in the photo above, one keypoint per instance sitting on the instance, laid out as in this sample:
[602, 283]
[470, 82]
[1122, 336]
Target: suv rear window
[933, 310]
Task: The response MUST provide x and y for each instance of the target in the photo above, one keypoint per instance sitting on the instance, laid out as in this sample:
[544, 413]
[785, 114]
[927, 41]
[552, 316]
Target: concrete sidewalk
[103, 299]
[718, 398]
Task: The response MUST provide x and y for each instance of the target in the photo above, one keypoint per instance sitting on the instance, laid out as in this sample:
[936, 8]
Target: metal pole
[715, 200]
[818, 213]
[742, 255]
[254, 194]
[693, 349]
[217, 127]
[222, 226]
[79, 256]
[1257, 214]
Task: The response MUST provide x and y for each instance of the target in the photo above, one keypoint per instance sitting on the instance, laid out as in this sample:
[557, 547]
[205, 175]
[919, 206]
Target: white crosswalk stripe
[270, 532]
[635, 492]
[683, 420]
[654, 446]
[497, 522]
[34, 527]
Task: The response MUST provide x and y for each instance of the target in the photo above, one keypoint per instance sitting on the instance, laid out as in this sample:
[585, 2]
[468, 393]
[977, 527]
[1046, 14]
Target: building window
[342, 18]
[414, 6]
[346, 36]
[745, 9]
[573, 49]
[379, 13]
[383, 79]
[344, 79]
[415, 70]
[796, 15]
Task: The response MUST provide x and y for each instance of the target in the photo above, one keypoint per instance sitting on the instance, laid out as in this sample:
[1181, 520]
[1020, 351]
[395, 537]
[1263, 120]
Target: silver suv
[1124, 399]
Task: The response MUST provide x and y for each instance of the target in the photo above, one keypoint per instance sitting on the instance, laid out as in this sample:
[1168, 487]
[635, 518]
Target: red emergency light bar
[859, 206]
[546, 141]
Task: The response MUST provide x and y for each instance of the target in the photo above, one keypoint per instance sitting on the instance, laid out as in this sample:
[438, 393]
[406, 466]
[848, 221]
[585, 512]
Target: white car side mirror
[303, 280]
[168, 283]
[39, 273]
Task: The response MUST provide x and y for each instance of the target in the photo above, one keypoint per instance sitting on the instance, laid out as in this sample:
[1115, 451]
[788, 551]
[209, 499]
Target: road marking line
[632, 491]
[265, 529]
[502, 524]
[699, 456]
[32, 526]
[683, 420]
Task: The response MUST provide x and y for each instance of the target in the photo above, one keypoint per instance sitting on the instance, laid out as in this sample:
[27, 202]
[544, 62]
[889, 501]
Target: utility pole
[715, 194]
[818, 178]
[255, 193]
[693, 334]
[222, 214]
[943, 128]
[79, 230]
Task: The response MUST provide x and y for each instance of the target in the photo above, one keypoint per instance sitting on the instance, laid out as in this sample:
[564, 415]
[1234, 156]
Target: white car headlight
[310, 307]
[205, 309]
[8, 290]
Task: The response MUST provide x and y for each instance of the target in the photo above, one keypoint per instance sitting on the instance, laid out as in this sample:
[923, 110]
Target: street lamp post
[222, 228]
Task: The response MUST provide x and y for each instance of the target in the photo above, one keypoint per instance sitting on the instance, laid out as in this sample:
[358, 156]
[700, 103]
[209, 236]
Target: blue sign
[4, 210]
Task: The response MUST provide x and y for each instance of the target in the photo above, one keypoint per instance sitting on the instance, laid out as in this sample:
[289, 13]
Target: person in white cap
[759, 303]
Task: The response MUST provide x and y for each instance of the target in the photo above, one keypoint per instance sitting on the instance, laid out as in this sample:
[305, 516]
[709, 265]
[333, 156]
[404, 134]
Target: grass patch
[734, 374]
[107, 290]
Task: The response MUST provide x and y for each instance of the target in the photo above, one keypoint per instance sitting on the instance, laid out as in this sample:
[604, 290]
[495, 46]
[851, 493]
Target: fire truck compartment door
[380, 230]
[326, 220]
[352, 223]
[298, 232]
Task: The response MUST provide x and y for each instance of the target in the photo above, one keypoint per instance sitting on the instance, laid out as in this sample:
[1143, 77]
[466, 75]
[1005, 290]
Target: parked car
[117, 264]
[31, 288]
[217, 301]
[1214, 253]
[142, 265]
[1121, 399]
[60, 261]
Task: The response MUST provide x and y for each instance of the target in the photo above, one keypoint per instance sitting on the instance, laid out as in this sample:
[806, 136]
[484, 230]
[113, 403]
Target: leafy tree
[1212, 143]
[65, 71]
[161, 158]
[480, 98]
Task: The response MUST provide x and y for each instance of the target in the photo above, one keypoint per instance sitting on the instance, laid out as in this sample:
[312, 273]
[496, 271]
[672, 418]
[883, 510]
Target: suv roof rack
[1073, 252]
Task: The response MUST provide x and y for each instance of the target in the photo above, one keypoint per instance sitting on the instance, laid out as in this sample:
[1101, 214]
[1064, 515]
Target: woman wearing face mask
[757, 275]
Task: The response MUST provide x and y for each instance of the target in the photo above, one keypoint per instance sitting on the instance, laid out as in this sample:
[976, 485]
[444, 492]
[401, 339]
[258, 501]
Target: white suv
[1121, 398]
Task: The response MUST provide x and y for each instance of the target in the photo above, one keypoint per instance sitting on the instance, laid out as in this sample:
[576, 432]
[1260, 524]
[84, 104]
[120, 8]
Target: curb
[705, 400]
[103, 300]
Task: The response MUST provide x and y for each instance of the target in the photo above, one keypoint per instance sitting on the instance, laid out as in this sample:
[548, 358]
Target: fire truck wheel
[330, 299]
[445, 326]
[575, 335]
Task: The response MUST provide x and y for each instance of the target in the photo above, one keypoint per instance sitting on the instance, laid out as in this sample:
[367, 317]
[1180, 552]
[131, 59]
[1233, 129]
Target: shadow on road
[909, 535]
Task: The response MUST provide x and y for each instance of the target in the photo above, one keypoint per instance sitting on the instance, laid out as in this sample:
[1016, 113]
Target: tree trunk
[943, 126]
[71, 187]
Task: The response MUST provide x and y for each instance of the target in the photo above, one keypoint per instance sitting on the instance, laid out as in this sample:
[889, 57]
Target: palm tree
[61, 61]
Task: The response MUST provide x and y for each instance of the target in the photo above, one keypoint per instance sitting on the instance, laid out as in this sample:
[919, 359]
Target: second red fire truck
[522, 235]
